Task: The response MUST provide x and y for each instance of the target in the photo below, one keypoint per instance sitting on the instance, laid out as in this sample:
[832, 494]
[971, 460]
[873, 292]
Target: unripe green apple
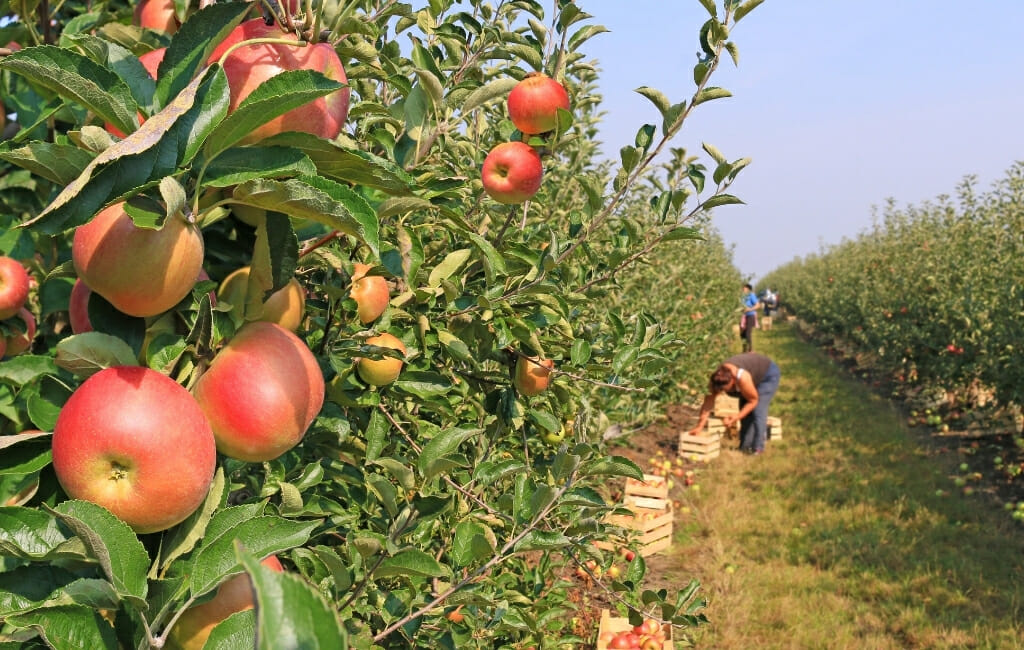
[286, 306]
[14, 285]
[380, 372]
[370, 293]
[233, 595]
[140, 271]
[512, 172]
[261, 392]
[534, 102]
[135, 442]
[533, 375]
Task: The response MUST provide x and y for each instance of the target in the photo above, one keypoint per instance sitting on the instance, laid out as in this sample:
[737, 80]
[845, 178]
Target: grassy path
[837, 537]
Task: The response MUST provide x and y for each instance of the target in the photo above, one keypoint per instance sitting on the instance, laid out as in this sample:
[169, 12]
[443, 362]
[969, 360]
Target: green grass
[836, 537]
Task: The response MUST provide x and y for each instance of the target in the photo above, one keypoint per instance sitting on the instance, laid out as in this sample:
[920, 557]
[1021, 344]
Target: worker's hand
[729, 421]
[693, 432]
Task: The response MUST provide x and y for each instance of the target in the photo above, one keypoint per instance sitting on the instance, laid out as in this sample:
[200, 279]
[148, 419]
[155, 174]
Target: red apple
[142, 272]
[624, 641]
[534, 102]
[151, 62]
[233, 595]
[370, 293]
[14, 283]
[261, 392]
[135, 442]
[533, 375]
[156, 14]
[380, 372]
[286, 306]
[78, 308]
[250, 65]
[18, 343]
[512, 172]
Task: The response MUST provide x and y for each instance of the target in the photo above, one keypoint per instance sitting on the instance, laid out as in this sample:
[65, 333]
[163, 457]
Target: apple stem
[260, 41]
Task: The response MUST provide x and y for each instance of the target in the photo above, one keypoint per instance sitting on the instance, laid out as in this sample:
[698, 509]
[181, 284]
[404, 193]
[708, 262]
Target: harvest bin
[652, 514]
[701, 448]
[611, 623]
[774, 428]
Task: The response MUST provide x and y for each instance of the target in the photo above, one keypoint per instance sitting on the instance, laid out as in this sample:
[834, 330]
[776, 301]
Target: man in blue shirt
[749, 321]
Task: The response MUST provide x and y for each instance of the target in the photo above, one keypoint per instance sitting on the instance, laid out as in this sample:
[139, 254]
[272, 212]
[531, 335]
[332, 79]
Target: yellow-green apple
[14, 284]
[156, 14]
[533, 375]
[369, 292]
[286, 306]
[512, 172]
[135, 442]
[552, 437]
[233, 595]
[380, 372]
[18, 343]
[78, 307]
[283, 392]
[140, 271]
[151, 62]
[250, 65]
[534, 102]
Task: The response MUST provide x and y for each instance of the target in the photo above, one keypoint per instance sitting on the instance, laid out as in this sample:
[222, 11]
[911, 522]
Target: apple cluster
[17, 324]
[649, 635]
[512, 171]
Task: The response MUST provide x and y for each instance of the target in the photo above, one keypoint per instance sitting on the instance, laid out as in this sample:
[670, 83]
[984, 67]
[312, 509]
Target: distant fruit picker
[754, 379]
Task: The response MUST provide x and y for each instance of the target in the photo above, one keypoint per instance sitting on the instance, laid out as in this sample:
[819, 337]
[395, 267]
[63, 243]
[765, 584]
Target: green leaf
[275, 255]
[240, 164]
[713, 151]
[424, 385]
[580, 352]
[264, 536]
[449, 266]
[745, 9]
[86, 354]
[612, 466]
[473, 542]
[411, 562]
[29, 533]
[660, 101]
[710, 6]
[60, 163]
[290, 614]
[236, 632]
[26, 368]
[542, 540]
[445, 443]
[78, 79]
[720, 199]
[112, 543]
[377, 433]
[13, 439]
[319, 199]
[31, 456]
[69, 627]
[672, 117]
[585, 34]
[683, 232]
[493, 90]
[351, 165]
[402, 205]
[545, 420]
[709, 94]
[183, 538]
[275, 96]
[28, 587]
[432, 87]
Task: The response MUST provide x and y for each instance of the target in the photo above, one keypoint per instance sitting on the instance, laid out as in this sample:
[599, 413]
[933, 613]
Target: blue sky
[841, 105]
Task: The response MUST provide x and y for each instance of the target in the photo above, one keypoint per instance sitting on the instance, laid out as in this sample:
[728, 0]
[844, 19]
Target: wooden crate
[651, 486]
[766, 322]
[774, 428]
[651, 529]
[614, 624]
[725, 405]
[700, 448]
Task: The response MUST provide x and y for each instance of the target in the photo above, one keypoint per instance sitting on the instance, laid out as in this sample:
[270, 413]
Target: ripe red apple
[380, 372]
[135, 442]
[534, 102]
[286, 306]
[14, 283]
[156, 14]
[370, 293]
[18, 343]
[512, 172]
[78, 307]
[533, 375]
[142, 272]
[233, 595]
[283, 392]
[624, 641]
[249, 66]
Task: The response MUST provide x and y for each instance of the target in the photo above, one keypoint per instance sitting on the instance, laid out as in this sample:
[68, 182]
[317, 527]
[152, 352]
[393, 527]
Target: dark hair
[747, 286]
[721, 378]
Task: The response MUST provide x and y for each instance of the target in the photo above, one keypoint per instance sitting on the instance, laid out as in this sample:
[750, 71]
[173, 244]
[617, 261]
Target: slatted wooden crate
[774, 428]
[615, 624]
[701, 448]
[766, 322]
[725, 405]
[651, 493]
[652, 529]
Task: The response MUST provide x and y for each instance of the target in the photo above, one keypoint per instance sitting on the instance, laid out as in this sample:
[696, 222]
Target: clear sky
[841, 105]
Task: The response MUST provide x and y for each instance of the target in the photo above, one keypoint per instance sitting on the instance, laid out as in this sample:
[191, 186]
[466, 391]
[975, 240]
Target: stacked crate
[701, 448]
[774, 428]
[614, 624]
[651, 516]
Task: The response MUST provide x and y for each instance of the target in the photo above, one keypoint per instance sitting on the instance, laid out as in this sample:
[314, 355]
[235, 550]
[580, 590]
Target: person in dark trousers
[749, 320]
[754, 379]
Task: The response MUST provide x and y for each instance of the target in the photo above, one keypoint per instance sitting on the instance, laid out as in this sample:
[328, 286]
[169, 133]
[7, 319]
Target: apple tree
[426, 479]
